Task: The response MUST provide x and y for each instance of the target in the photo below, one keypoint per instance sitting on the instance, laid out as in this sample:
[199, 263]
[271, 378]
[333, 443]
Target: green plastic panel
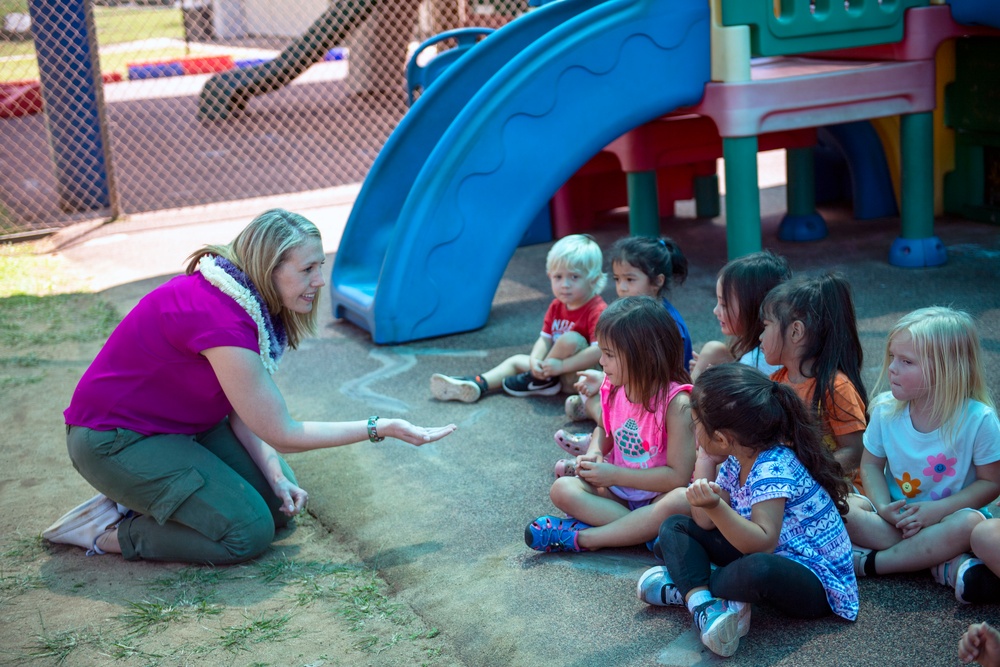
[801, 26]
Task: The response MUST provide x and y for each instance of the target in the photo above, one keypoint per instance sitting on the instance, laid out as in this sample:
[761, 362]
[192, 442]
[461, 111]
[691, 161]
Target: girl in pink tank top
[616, 494]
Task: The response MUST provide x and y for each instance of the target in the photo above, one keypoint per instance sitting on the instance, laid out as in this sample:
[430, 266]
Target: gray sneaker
[742, 610]
[447, 388]
[656, 587]
[719, 626]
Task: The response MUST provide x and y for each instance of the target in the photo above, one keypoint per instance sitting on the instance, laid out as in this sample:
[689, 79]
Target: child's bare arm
[758, 535]
[582, 360]
[538, 352]
[876, 488]
[706, 467]
[850, 446]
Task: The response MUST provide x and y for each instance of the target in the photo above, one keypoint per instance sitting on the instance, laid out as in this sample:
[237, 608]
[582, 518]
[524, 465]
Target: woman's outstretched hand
[415, 435]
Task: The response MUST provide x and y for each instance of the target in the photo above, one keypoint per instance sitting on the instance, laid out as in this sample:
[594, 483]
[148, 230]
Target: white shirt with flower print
[923, 466]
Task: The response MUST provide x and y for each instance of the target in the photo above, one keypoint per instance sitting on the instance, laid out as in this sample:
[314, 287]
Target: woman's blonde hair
[579, 252]
[260, 249]
[946, 342]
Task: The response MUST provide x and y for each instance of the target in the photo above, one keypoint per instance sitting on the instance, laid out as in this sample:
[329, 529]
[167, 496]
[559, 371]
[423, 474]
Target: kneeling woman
[178, 423]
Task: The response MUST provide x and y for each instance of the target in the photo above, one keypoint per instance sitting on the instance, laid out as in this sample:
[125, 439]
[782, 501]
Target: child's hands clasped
[910, 518]
[592, 469]
[551, 368]
[703, 493]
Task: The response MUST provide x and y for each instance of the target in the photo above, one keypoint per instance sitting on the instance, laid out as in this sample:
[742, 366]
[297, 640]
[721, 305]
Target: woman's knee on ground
[248, 540]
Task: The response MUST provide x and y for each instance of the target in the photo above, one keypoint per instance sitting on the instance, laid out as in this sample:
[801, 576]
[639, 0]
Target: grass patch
[22, 271]
[366, 601]
[193, 583]
[35, 308]
[59, 645]
[26, 68]
[35, 321]
[147, 616]
[261, 629]
[23, 550]
[115, 25]
[155, 615]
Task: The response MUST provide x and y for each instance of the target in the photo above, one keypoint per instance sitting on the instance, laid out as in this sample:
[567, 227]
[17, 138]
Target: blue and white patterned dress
[812, 531]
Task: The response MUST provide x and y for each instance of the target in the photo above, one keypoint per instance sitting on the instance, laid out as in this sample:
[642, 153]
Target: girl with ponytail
[768, 527]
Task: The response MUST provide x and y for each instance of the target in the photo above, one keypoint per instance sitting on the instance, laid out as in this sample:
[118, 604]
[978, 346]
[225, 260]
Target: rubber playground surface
[444, 523]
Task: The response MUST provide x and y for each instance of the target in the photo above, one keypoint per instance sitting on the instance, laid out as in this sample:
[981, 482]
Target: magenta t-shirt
[150, 376]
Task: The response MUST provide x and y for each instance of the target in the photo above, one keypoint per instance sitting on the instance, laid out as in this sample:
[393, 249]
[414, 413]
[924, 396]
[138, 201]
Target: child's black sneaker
[526, 384]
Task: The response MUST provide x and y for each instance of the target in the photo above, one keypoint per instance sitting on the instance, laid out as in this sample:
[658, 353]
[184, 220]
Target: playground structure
[563, 83]
[439, 193]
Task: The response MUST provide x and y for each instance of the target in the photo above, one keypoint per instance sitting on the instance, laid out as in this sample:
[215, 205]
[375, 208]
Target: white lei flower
[245, 298]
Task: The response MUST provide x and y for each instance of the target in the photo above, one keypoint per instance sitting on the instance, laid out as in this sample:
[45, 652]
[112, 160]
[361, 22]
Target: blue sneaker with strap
[550, 533]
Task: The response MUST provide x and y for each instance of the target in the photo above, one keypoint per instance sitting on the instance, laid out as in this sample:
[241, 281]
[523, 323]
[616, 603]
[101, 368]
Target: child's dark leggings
[689, 550]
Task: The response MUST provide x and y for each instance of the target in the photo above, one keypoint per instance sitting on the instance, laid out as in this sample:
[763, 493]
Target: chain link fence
[110, 108]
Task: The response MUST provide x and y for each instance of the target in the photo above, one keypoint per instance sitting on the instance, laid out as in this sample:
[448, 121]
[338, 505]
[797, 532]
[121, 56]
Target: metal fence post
[69, 75]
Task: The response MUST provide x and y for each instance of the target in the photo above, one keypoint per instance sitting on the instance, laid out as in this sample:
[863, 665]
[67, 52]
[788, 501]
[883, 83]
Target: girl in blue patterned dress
[770, 522]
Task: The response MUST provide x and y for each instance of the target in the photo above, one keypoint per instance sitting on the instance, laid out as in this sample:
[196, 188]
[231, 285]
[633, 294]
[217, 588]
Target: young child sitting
[770, 519]
[566, 344]
[932, 452]
[811, 332]
[741, 287]
[617, 493]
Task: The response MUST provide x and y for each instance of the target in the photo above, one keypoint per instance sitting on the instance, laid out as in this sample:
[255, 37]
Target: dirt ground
[308, 601]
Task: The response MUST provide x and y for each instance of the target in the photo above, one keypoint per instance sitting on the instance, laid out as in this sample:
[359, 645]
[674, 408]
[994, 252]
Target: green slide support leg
[917, 246]
[742, 196]
[706, 196]
[643, 204]
[802, 222]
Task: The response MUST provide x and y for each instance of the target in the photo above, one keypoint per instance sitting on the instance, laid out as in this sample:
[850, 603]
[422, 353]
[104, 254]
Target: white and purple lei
[271, 336]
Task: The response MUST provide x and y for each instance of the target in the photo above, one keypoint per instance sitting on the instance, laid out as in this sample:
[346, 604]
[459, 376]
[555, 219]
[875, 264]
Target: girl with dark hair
[742, 285]
[770, 522]
[617, 490]
[811, 331]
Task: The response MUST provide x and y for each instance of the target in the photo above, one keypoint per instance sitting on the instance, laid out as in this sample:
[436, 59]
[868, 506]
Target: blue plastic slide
[871, 184]
[976, 12]
[431, 266]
